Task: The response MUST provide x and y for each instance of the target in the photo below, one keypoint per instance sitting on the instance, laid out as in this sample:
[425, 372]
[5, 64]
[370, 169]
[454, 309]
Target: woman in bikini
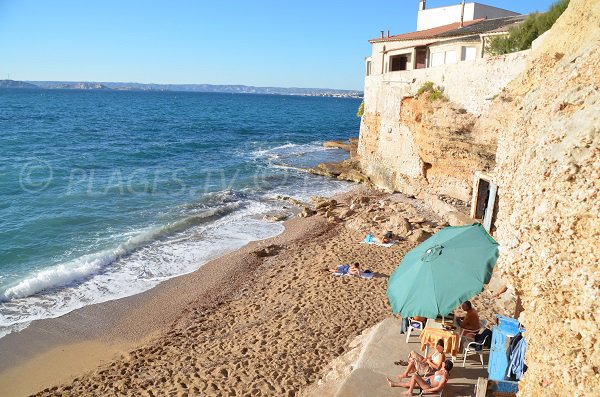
[429, 384]
[424, 365]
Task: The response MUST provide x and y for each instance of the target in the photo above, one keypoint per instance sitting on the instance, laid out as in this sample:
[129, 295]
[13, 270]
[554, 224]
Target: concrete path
[376, 361]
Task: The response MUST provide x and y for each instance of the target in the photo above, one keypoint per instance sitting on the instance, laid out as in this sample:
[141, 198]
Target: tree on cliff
[520, 38]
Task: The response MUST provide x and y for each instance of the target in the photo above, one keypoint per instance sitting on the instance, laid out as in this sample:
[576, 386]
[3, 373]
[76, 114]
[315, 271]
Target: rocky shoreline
[347, 170]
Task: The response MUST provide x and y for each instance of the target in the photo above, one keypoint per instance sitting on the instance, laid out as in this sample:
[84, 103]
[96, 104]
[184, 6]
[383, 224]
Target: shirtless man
[470, 322]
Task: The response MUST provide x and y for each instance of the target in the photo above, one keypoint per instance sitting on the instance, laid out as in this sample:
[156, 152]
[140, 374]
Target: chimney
[462, 14]
[382, 36]
[388, 33]
[421, 5]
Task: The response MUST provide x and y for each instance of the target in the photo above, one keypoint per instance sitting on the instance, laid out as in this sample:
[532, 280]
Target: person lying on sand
[355, 270]
[386, 238]
[429, 384]
[341, 269]
[424, 365]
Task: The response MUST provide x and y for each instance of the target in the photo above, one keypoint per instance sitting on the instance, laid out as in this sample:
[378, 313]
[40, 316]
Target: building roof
[425, 34]
[495, 25]
[477, 26]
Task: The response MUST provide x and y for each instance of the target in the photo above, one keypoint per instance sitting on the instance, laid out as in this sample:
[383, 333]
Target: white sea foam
[289, 150]
[151, 256]
[135, 266]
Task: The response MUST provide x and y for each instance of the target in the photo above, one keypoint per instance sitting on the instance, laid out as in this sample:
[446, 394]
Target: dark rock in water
[276, 217]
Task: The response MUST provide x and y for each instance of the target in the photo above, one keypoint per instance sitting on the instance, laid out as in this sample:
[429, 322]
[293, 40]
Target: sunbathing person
[429, 384]
[341, 269]
[387, 237]
[424, 365]
[355, 270]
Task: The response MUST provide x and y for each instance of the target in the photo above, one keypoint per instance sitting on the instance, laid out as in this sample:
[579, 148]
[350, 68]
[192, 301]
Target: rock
[270, 250]
[324, 203]
[380, 218]
[338, 145]
[353, 175]
[306, 212]
[419, 236]
[276, 217]
[347, 213]
[455, 218]
[417, 219]
[400, 224]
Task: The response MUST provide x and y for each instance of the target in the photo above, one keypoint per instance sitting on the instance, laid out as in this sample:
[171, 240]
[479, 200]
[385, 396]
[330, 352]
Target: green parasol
[442, 272]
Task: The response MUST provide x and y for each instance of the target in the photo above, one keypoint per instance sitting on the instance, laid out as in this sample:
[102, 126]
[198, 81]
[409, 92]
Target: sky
[282, 43]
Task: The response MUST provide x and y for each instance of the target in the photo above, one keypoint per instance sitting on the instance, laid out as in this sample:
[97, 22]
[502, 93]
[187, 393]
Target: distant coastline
[232, 89]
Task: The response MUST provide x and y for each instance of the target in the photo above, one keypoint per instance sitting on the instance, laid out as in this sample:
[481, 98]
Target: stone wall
[548, 169]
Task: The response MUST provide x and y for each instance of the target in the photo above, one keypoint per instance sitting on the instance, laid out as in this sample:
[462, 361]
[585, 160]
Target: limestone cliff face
[545, 126]
[417, 147]
[548, 169]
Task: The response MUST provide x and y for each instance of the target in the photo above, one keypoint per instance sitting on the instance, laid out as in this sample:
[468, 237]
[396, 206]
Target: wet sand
[252, 322]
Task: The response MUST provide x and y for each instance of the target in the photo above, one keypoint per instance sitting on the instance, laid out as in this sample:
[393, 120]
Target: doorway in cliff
[484, 201]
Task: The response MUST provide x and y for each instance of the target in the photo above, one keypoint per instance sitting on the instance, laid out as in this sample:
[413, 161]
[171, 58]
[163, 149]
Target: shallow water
[106, 194]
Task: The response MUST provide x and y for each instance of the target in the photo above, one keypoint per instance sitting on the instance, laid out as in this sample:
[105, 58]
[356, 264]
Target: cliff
[548, 169]
[419, 147]
[538, 137]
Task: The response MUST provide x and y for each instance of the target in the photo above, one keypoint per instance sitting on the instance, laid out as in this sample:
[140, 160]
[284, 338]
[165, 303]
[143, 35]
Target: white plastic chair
[482, 326]
[418, 326]
[471, 349]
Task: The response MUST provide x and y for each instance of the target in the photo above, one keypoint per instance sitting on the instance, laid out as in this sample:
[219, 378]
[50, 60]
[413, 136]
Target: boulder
[417, 219]
[400, 224]
[347, 213]
[306, 212]
[418, 236]
[276, 217]
[455, 218]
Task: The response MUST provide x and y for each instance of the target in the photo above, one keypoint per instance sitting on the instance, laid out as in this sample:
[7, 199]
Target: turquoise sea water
[105, 194]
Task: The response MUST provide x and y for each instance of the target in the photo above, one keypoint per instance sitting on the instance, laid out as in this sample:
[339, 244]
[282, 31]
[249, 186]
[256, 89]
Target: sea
[105, 194]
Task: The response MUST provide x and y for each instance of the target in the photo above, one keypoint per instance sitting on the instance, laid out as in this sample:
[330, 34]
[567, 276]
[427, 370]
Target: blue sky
[309, 43]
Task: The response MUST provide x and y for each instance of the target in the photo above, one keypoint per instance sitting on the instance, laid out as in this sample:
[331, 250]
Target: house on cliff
[444, 35]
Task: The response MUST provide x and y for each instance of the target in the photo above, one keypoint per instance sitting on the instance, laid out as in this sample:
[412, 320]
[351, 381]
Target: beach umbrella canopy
[442, 272]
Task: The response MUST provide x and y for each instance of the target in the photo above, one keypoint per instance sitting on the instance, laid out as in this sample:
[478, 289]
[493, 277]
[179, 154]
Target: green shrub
[520, 37]
[361, 109]
[435, 93]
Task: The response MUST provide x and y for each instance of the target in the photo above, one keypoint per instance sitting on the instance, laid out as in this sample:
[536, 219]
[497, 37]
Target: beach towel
[379, 244]
[366, 276]
[371, 240]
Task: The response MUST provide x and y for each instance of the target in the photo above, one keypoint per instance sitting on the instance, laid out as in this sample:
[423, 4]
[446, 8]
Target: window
[368, 68]
[437, 59]
[451, 56]
[469, 53]
[400, 62]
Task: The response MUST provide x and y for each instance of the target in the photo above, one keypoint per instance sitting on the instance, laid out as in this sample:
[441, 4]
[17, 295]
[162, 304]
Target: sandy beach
[264, 320]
